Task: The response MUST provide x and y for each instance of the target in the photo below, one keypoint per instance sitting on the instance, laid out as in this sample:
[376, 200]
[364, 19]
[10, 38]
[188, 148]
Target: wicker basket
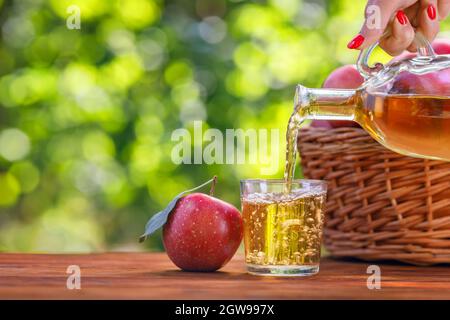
[381, 205]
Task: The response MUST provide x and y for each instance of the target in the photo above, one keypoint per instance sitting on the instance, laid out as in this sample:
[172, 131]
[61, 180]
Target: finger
[376, 19]
[428, 19]
[443, 9]
[401, 37]
[378, 14]
[411, 13]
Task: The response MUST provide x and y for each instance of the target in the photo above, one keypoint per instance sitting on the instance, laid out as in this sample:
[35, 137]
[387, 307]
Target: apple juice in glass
[283, 226]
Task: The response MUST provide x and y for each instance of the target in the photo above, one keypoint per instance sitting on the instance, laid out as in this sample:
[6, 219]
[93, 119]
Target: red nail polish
[431, 11]
[401, 17]
[356, 42]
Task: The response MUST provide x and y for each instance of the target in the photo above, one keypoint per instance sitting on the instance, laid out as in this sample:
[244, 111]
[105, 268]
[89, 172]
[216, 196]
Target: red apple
[441, 46]
[345, 77]
[435, 83]
[202, 233]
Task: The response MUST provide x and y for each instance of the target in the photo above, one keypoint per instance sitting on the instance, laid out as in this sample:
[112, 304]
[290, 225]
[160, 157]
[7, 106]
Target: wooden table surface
[153, 276]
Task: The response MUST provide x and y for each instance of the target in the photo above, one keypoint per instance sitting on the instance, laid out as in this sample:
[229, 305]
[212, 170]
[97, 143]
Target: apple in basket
[441, 46]
[345, 77]
[436, 83]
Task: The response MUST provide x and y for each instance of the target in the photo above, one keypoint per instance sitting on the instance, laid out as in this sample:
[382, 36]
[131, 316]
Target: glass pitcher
[404, 105]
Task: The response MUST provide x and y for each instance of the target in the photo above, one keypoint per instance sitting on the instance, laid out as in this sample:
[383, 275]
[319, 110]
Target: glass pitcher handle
[424, 50]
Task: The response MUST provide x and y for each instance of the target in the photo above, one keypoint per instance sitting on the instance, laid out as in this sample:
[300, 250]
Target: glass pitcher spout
[326, 104]
[319, 104]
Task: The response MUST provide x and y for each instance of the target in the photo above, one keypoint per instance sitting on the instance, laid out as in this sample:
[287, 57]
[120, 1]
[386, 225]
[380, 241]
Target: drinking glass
[283, 226]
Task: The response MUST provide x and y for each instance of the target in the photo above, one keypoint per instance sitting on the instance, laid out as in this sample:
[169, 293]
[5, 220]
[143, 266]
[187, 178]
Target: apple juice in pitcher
[405, 105]
[414, 125]
[418, 125]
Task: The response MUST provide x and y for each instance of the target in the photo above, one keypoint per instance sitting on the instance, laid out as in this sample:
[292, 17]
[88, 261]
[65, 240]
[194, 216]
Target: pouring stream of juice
[292, 131]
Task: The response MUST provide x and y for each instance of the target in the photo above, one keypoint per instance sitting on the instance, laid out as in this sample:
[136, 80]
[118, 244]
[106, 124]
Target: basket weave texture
[381, 205]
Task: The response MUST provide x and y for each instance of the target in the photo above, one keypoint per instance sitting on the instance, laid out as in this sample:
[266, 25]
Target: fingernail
[431, 11]
[356, 42]
[401, 17]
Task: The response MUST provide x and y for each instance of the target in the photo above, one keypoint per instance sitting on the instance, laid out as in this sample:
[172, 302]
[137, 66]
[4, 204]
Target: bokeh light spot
[137, 14]
[98, 146]
[18, 32]
[89, 9]
[289, 8]
[9, 189]
[251, 84]
[14, 144]
[151, 53]
[212, 29]
[178, 72]
[27, 174]
[249, 55]
[123, 71]
[149, 128]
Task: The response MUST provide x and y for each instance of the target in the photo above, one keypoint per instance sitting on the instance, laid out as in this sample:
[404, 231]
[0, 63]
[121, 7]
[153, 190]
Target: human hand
[398, 22]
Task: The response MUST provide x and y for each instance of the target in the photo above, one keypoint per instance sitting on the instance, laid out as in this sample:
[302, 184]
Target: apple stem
[213, 185]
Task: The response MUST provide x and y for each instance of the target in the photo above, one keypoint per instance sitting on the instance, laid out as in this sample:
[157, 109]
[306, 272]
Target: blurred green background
[86, 116]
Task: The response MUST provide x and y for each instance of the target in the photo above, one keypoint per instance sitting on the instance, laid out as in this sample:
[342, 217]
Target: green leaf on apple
[159, 219]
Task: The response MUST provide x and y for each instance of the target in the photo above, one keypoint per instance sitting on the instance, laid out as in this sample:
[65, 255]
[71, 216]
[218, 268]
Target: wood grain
[153, 276]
